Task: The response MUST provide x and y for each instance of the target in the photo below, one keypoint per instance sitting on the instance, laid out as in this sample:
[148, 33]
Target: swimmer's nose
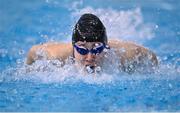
[90, 58]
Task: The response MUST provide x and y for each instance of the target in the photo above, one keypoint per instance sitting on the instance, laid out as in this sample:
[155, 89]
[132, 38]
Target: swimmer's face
[89, 53]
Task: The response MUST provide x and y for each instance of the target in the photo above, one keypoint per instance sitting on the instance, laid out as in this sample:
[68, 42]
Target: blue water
[46, 87]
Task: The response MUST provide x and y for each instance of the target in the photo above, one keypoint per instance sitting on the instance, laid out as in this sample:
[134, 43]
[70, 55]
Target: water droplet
[131, 66]
[122, 50]
[105, 50]
[97, 44]
[156, 26]
[18, 61]
[165, 58]
[170, 85]
[21, 52]
[98, 69]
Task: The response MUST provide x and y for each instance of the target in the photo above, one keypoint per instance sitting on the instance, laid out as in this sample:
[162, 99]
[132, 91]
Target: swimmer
[89, 47]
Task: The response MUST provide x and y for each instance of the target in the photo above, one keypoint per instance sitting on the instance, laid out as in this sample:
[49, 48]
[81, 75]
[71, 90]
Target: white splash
[126, 25]
[51, 71]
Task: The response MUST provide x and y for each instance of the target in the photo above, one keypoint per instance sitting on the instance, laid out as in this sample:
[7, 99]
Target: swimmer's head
[89, 28]
[89, 40]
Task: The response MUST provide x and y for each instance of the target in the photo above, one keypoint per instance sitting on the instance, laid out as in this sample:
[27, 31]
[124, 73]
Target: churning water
[46, 86]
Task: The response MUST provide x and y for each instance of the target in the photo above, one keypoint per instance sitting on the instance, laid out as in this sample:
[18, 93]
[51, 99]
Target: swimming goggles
[95, 50]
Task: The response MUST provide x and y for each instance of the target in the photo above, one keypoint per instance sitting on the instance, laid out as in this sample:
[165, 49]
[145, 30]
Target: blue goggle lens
[84, 51]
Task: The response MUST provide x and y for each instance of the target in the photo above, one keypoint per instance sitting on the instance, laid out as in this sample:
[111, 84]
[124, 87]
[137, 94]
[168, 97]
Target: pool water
[45, 86]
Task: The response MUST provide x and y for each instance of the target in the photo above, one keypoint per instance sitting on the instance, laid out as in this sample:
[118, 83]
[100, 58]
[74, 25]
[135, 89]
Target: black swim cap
[89, 28]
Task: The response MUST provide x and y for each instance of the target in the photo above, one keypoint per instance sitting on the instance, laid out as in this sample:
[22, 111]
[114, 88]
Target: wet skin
[62, 51]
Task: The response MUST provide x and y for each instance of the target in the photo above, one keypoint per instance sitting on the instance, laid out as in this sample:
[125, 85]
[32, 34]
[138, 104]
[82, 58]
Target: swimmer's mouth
[90, 68]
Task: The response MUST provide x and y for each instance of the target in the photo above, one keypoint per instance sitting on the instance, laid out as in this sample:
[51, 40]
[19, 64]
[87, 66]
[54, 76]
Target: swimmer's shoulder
[131, 49]
[116, 43]
[127, 45]
[125, 48]
[53, 50]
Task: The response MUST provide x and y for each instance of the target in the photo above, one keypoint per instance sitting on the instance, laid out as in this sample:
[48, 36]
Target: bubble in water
[98, 69]
[170, 85]
[21, 52]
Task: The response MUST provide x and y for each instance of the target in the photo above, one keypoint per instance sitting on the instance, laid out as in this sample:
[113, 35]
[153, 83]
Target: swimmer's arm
[146, 53]
[140, 58]
[139, 53]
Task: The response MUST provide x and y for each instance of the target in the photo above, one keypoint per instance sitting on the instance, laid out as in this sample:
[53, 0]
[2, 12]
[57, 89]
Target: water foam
[127, 25]
[51, 71]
